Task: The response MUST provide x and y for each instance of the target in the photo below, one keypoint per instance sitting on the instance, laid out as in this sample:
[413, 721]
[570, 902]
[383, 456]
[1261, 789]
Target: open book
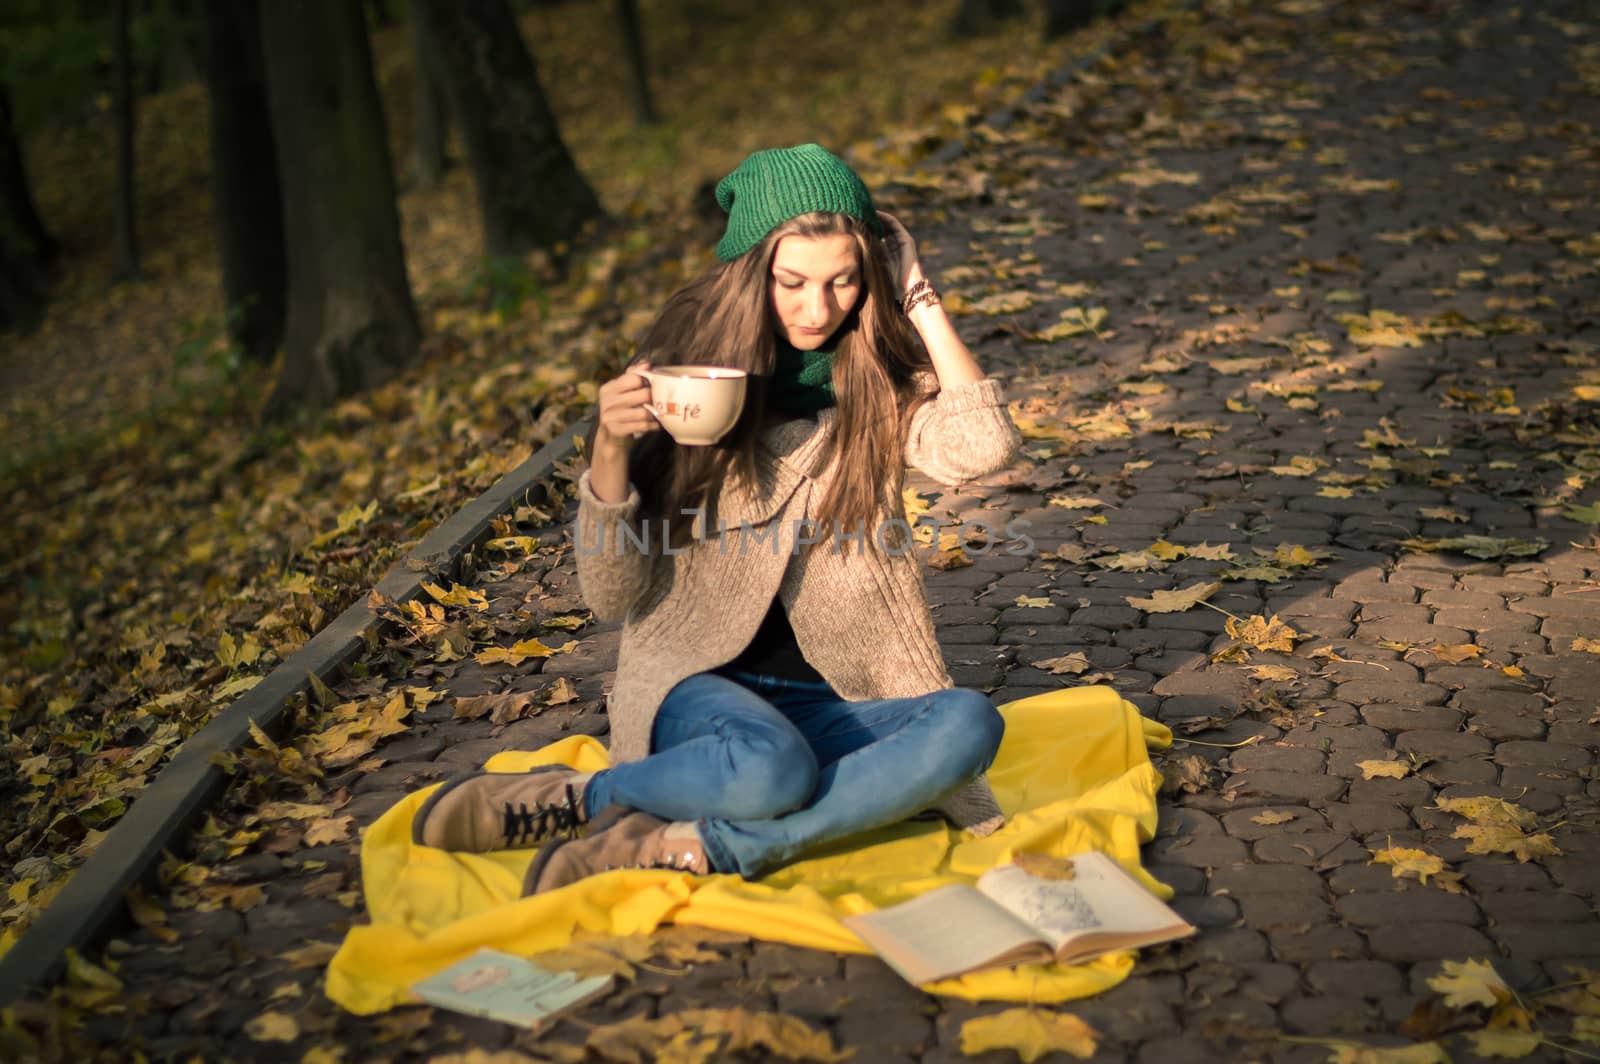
[505, 987]
[1014, 916]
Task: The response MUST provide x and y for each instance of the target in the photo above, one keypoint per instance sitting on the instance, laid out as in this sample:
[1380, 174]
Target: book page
[1101, 900]
[946, 932]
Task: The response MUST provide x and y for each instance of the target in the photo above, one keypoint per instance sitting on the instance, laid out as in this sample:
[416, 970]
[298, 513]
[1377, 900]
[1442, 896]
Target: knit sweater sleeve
[614, 555]
[963, 432]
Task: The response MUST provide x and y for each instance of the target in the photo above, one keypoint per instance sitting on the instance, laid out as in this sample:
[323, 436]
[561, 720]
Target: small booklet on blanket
[508, 988]
[1038, 910]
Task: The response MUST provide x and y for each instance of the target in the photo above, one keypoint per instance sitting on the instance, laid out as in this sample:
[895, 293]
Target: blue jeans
[769, 768]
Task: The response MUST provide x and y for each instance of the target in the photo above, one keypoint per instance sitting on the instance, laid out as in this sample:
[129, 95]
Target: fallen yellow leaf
[1031, 1033]
[1470, 983]
[272, 1027]
[1419, 865]
[1073, 664]
[1389, 770]
[1505, 1042]
[1506, 838]
[1174, 601]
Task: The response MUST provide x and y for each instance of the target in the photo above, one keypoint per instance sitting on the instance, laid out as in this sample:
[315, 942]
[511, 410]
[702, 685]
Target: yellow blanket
[1073, 774]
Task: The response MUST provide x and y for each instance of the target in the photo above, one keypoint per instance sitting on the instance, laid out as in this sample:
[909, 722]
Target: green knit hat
[772, 186]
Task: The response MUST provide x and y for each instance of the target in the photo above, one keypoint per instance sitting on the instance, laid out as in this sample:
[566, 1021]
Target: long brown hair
[725, 318]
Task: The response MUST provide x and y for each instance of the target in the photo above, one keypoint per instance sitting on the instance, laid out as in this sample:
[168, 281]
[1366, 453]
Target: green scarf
[802, 381]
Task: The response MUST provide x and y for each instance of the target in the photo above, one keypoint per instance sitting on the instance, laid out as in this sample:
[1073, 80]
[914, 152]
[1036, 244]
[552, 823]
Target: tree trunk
[1061, 17]
[351, 322]
[981, 16]
[127, 242]
[18, 213]
[429, 158]
[530, 193]
[27, 250]
[247, 203]
[644, 111]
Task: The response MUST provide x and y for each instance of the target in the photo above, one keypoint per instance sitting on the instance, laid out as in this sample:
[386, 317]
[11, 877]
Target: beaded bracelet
[918, 295]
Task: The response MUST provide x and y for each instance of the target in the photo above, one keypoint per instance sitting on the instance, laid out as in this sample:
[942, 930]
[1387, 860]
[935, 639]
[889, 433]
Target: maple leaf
[502, 708]
[1420, 865]
[1591, 646]
[1037, 602]
[561, 692]
[1005, 302]
[520, 652]
[1257, 633]
[1222, 552]
[329, 829]
[1267, 574]
[1031, 1033]
[1073, 664]
[1506, 838]
[1075, 502]
[147, 913]
[350, 519]
[458, 595]
[945, 560]
[1131, 562]
[234, 654]
[1486, 809]
[272, 1027]
[1504, 1042]
[311, 955]
[1045, 866]
[1167, 552]
[1470, 982]
[293, 811]
[1486, 547]
[1074, 321]
[701, 1035]
[1174, 601]
[1273, 673]
[509, 544]
[1188, 775]
[1455, 653]
[1389, 770]
[1271, 817]
[1420, 1053]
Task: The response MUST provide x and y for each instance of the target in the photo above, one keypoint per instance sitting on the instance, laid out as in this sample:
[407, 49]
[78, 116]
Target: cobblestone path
[1346, 259]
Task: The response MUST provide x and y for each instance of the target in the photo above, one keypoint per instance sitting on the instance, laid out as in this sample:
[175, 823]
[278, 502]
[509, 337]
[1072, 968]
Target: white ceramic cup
[697, 405]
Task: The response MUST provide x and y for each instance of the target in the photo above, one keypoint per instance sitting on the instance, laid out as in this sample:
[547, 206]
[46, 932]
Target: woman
[778, 684]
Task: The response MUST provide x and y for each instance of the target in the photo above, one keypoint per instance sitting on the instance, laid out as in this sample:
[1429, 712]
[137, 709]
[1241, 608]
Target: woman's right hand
[623, 413]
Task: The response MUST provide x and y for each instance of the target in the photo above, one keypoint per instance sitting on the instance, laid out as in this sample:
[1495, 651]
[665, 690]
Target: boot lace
[543, 820]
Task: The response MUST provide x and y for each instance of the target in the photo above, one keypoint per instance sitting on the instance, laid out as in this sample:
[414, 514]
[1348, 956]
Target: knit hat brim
[770, 187]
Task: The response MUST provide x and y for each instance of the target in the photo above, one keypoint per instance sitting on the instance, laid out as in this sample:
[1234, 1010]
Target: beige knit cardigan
[861, 618]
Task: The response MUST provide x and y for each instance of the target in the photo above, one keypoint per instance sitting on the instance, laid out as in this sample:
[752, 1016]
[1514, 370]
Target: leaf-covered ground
[162, 551]
[1296, 305]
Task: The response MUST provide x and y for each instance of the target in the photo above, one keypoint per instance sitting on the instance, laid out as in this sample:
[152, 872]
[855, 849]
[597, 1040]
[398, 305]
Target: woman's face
[816, 283]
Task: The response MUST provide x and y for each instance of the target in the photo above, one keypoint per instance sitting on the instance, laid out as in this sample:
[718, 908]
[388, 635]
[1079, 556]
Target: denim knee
[765, 776]
[973, 723]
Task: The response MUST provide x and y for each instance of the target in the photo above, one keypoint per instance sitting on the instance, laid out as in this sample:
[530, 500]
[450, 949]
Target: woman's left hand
[902, 249]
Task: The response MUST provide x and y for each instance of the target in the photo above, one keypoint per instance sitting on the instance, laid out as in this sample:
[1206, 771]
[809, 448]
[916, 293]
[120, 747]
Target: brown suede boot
[619, 838]
[501, 810]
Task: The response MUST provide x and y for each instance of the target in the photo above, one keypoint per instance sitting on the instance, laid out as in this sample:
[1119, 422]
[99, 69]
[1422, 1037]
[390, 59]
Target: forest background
[191, 492]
